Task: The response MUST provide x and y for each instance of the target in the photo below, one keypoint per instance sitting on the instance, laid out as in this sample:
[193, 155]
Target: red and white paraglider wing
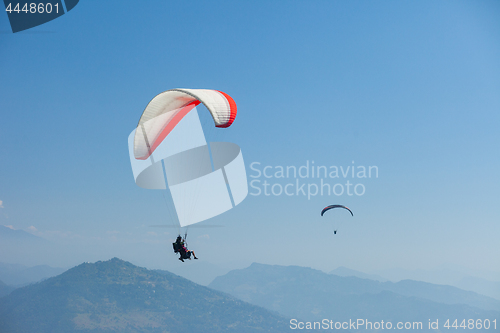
[168, 149]
[167, 109]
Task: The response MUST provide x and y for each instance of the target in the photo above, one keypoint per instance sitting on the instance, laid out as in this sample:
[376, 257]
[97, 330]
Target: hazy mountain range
[443, 276]
[116, 296]
[9, 234]
[344, 271]
[19, 246]
[311, 295]
[19, 275]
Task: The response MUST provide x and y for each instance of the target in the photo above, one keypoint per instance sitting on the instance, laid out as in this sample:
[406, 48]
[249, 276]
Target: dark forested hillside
[116, 296]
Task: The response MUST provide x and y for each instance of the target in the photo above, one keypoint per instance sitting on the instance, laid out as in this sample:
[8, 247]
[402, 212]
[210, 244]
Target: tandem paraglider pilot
[180, 247]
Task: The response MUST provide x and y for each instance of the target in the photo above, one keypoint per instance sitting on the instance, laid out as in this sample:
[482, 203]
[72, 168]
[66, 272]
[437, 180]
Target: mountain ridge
[309, 294]
[116, 296]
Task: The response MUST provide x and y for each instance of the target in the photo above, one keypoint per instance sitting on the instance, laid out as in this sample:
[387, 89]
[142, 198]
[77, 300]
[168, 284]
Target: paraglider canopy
[327, 208]
[168, 108]
[169, 150]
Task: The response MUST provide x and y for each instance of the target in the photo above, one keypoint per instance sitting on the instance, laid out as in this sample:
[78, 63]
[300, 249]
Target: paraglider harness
[181, 247]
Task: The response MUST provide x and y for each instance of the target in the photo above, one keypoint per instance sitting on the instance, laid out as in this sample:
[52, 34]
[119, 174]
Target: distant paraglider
[327, 208]
[335, 206]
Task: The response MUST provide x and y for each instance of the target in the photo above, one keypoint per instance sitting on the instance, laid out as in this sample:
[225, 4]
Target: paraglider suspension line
[147, 142]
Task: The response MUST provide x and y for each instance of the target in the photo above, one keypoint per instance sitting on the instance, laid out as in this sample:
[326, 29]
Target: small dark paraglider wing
[335, 206]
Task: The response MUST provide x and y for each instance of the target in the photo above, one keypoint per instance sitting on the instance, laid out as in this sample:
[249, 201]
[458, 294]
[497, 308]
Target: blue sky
[410, 87]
